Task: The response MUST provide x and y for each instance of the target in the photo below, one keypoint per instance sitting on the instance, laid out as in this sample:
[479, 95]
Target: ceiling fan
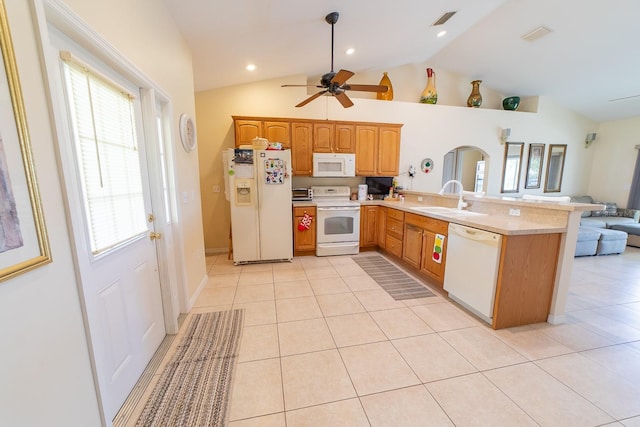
[335, 83]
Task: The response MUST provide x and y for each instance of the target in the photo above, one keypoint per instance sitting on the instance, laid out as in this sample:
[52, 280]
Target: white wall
[45, 370]
[614, 160]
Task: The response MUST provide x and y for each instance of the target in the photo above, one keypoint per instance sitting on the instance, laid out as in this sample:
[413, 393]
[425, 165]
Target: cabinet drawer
[395, 214]
[301, 210]
[394, 246]
[431, 224]
[395, 228]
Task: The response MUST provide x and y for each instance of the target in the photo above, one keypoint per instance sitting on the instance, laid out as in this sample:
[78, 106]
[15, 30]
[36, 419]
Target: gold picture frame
[23, 237]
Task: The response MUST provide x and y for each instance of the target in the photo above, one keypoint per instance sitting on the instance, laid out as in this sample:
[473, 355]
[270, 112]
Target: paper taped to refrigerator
[274, 171]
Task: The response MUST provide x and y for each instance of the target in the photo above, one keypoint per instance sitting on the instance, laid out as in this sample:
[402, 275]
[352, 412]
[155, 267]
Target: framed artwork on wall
[534, 166]
[23, 237]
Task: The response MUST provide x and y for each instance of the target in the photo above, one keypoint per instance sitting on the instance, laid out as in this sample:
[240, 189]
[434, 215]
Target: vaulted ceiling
[589, 62]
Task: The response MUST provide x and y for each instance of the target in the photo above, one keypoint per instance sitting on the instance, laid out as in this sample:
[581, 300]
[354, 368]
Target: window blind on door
[103, 124]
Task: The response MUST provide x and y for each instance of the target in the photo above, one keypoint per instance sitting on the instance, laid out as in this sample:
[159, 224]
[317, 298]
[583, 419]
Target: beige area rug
[194, 388]
[396, 282]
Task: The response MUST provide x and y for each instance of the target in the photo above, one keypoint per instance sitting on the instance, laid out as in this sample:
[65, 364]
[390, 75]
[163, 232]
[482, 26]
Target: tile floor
[324, 345]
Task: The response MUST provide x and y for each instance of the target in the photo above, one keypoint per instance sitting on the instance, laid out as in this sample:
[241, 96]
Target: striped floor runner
[393, 280]
[194, 388]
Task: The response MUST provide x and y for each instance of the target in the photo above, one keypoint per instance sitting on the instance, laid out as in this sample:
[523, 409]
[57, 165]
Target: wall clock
[187, 133]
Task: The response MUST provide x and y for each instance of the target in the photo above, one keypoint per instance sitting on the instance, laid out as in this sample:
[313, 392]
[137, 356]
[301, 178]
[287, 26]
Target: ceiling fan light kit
[333, 83]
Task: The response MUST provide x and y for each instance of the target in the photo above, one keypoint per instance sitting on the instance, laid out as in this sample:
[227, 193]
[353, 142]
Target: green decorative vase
[511, 103]
[475, 99]
[429, 94]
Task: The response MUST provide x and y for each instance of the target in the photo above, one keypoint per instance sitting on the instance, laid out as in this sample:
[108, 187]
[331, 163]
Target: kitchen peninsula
[536, 257]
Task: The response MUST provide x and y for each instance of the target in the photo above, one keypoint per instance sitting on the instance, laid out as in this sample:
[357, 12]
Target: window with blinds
[103, 122]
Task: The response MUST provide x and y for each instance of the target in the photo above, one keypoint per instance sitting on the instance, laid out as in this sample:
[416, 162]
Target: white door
[104, 166]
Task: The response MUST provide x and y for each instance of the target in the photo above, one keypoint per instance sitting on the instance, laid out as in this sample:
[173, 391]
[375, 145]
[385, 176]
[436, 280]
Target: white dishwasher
[471, 271]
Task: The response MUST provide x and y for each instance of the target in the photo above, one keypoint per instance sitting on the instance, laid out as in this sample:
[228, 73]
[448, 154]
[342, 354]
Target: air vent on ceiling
[536, 34]
[444, 18]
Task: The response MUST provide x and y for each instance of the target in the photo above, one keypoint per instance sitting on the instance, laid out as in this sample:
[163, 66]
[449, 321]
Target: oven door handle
[345, 208]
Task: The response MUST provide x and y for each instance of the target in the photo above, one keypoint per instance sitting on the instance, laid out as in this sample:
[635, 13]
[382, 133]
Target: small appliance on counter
[363, 190]
[302, 194]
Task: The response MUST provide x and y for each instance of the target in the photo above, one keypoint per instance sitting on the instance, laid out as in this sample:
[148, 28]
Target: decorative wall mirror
[555, 167]
[534, 166]
[511, 169]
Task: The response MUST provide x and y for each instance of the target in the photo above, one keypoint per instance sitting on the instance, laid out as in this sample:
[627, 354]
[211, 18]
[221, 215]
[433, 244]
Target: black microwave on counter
[378, 185]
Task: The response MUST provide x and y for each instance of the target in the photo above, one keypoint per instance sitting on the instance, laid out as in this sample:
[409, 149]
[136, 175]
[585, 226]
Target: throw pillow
[610, 209]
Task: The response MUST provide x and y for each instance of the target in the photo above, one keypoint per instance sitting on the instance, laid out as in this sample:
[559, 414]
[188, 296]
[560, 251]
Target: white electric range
[337, 220]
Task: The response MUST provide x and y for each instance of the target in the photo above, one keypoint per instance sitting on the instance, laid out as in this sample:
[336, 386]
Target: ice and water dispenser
[244, 191]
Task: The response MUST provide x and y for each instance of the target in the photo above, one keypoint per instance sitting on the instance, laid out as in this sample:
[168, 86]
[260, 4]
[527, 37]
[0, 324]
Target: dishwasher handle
[475, 234]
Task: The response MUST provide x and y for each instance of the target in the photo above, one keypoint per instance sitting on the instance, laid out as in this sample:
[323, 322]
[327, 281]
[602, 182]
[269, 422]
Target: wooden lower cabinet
[393, 245]
[368, 226]
[526, 278]
[381, 230]
[412, 245]
[304, 242]
[429, 266]
[394, 227]
[419, 244]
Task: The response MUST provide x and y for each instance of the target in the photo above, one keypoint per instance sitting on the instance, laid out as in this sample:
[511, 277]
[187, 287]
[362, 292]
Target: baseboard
[556, 320]
[198, 291]
[216, 251]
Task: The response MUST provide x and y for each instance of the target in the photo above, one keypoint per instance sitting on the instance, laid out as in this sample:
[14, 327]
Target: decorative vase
[475, 99]
[511, 103]
[385, 81]
[429, 94]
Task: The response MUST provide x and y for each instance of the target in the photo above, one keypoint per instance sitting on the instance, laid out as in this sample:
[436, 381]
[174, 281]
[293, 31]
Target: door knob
[153, 235]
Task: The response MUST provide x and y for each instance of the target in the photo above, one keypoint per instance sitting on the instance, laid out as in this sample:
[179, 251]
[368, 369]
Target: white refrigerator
[258, 188]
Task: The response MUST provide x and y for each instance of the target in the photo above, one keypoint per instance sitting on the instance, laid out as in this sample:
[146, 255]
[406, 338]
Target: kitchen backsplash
[305, 181]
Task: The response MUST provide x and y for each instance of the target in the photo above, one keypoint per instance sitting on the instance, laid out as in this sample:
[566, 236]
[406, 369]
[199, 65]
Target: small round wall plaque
[427, 165]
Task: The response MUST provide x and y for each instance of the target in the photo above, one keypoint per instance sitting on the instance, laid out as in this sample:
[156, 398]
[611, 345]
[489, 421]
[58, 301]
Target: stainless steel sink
[446, 211]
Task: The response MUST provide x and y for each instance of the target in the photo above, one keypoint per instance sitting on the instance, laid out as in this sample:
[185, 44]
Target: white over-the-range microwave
[334, 165]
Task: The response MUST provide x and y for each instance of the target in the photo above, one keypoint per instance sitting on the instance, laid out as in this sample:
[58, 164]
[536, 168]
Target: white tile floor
[324, 345]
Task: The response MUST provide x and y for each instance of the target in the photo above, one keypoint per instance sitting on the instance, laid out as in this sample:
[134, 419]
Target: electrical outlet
[216, 188]
[419, 198]
[514, 212]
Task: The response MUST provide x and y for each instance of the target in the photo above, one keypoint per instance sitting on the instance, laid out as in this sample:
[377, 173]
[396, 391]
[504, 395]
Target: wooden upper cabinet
[388, 151]
[323, 134]
[246, 130]
[277, 132]
[345, 138]
[366, 150]
[334, 138]
[301, 149]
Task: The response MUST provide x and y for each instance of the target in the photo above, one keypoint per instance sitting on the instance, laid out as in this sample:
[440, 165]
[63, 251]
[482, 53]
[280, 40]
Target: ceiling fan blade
[301, 86]
[344, 100]
[366, 88]
[341, 77]
[311, 98]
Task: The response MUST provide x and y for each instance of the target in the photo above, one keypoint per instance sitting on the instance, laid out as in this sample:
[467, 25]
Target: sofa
[606, 231]
[608, 216]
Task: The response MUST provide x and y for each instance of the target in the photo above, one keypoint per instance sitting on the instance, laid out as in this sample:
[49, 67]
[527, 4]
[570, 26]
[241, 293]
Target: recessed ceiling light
[251, 67]
[350, 51]
[441, 33]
